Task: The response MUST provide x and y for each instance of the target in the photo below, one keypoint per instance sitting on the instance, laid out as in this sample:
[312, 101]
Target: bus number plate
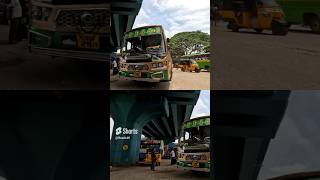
[195, 164]
[88, 41]
[137, 74]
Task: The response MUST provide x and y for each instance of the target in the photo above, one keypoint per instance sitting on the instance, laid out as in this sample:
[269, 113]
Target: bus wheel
[315, 24]
[198, 70]
[233, 26]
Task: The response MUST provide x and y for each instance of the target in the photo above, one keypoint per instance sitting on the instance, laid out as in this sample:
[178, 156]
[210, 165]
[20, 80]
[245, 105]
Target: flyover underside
[245, 123]
[155, 114]
[123, 16]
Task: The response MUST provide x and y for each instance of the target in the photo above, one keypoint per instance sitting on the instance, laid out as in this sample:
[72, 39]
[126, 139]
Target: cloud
[175, 15]
[202, 108]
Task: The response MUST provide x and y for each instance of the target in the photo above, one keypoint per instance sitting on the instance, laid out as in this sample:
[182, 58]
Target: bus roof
[196, 122]
[196, 54]
[144, 31]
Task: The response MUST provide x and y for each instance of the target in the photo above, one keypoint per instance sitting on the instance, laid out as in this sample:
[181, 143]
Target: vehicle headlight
[36, 12]
[40, 13]
[154, 65]
[160, 64]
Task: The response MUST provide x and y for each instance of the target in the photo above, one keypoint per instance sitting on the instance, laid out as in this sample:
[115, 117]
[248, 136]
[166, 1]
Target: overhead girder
[159, 128]
[152, 130]
[245, 122]
[146, 133]
[124, 13]
[166, 124]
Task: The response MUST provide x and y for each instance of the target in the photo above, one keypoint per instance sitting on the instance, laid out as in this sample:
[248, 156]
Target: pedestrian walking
[15, 14]
[153, 160]
[115, 67]
[173, 157]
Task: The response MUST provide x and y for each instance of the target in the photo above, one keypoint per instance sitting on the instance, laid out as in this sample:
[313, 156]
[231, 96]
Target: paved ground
[180, 81]
[21, 70]
[248, 60]
[163, 172]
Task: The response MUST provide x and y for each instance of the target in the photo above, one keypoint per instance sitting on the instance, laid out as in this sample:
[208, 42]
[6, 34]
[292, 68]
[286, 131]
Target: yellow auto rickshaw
[189, 65]
[254, 14]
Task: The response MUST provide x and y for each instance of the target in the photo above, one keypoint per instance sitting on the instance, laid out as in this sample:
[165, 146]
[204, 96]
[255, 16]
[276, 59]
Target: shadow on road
[11, 62]
[304, 31]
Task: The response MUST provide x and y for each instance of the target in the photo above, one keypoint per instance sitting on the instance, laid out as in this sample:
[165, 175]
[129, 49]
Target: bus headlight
[36, 12]
[160, 64]
[39, 13]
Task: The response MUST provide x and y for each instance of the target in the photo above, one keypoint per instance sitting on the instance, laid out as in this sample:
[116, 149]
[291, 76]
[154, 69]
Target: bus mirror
[168, 40]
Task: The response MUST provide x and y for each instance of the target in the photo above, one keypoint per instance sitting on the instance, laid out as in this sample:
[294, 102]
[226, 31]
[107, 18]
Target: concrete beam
[189, 109]
[157, 125]
[116, 21]
[254, 151]
[144, 132]
[166, 124]
[174, 110]
[152, 130]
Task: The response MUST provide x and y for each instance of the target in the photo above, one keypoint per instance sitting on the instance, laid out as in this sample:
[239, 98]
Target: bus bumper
[187, 166]
[87, 55]
[148, 77]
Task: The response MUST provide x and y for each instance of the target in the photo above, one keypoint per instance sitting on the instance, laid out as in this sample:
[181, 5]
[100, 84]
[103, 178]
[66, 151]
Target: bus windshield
[199, 135]
[152, 44]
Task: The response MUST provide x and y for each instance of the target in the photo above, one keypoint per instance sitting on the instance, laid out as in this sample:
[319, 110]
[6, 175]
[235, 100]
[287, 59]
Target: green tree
[185, 43]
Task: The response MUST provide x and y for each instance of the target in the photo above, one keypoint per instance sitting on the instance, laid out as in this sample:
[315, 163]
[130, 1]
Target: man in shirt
[173, 157]
[15, 15]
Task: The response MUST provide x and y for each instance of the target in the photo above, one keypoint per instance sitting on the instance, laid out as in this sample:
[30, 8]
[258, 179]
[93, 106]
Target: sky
[296, 145]
[202, 107]
[175, 15]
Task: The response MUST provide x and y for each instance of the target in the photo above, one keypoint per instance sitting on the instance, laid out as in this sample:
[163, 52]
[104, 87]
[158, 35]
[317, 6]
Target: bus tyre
[197, 70]
[315, 24]
[233, 26]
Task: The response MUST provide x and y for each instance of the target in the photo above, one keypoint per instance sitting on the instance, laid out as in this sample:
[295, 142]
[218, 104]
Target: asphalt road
[180, 81]
[247, 60]
[20, 69]
[165, 171]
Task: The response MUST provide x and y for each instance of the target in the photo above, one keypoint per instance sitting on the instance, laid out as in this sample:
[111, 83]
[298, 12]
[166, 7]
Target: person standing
[153, 160]
[115, 67]
[173, 157]
[15, 15]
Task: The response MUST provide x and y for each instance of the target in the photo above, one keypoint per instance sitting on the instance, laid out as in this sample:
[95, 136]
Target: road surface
[165, 171]
[247, 60]
[21, 70]
[180, 81]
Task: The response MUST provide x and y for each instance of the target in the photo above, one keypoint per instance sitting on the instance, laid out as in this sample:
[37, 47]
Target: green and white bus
[196, 154]
[77, 29]
[147, 55]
